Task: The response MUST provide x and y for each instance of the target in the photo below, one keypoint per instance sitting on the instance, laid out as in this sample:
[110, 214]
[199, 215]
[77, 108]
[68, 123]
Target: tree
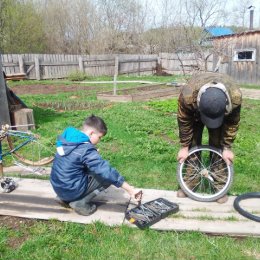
[21, 27]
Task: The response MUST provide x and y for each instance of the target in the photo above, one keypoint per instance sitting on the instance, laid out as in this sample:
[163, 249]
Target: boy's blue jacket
[76, 157]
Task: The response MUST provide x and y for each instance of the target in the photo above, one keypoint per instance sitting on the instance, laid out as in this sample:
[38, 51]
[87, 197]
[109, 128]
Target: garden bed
[141, 93]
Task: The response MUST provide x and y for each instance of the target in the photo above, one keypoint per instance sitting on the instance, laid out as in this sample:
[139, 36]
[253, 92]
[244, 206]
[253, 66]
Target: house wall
[241, 71]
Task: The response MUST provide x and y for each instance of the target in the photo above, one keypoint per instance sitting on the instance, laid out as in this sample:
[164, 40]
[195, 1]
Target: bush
[77, 75]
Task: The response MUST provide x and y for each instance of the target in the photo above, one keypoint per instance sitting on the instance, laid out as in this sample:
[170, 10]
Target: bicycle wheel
[204, 175]
[30, 150]
[250, 195]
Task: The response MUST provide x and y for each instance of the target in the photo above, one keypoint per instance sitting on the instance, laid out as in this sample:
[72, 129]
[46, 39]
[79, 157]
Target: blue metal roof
[219, 31]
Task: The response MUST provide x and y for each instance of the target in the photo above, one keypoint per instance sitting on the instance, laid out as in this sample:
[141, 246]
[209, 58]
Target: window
[244, 55]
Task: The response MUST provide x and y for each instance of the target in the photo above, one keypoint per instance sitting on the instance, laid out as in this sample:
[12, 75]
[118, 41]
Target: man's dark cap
[212, 107]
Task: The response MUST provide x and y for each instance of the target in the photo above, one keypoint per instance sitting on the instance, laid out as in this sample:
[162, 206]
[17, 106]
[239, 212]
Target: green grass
[57, 240]
[159, 79]
[142, 143]
[250, 86]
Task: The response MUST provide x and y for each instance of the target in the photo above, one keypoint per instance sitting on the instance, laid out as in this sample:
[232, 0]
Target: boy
[79, 173]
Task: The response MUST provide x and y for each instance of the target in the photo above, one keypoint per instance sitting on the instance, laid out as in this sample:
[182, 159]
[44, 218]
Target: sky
[159, 12]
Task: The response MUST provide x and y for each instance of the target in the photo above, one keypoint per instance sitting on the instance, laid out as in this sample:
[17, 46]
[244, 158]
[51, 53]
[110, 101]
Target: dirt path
[251, 93]
[52, 89]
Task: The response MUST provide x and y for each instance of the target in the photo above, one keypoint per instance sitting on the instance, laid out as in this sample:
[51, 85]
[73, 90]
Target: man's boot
[222, 200]
[181, 194]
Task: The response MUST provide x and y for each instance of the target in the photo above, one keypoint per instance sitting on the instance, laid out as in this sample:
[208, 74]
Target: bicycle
[25, 148]
[204, 175]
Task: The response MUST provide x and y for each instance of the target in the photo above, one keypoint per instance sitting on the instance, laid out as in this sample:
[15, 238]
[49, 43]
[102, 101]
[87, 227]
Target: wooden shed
[238, 55]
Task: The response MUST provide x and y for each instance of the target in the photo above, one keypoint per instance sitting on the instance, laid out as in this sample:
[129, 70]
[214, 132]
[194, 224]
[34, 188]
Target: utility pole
[4, 109]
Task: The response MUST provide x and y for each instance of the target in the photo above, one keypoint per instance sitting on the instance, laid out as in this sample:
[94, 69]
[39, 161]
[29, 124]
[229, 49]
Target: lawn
[142, 143]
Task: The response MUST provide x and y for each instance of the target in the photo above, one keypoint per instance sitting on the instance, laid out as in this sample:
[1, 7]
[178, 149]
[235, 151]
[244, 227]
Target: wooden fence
[180, 63]
[53, 66]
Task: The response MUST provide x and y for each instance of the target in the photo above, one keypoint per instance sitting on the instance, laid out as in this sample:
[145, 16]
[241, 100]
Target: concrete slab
[35, 199]
[25, 170]
[207, 217]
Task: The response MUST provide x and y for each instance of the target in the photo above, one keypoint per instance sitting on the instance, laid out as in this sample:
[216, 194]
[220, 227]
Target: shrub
[77, 75]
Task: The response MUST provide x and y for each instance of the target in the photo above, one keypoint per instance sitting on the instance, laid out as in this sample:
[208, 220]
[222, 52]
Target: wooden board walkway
[35, 199]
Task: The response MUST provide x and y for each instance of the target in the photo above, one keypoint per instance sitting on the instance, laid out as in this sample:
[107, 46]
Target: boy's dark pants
[95, 186]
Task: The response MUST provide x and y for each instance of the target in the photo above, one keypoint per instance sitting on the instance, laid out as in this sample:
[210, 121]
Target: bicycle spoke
[203, 166]
[221, 170]
[29, 150]
[191, 164]
[217, 162]
[219, 178]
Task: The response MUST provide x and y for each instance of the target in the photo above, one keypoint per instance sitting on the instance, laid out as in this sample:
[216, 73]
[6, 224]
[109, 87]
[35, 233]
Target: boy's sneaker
[86, 210]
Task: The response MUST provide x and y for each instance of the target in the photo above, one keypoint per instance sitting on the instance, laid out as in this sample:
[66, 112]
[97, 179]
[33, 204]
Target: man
[212, 100]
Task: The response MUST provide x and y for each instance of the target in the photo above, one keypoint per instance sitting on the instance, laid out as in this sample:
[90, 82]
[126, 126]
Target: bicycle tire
[40, 161]
[240, 210]
[198, 195]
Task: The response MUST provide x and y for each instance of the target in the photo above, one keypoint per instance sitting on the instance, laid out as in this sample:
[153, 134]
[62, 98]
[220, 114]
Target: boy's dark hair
[97, 123]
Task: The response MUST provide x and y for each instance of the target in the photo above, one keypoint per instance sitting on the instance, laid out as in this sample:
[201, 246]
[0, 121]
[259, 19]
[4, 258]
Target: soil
[16, 224]
[50, 89]
[53, 89]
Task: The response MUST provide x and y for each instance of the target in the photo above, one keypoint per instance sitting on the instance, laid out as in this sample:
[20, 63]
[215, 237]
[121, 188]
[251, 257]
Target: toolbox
[151, 212]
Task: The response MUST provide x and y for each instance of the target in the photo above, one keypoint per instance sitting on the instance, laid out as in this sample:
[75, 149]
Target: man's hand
[183, 154]
[228, 156]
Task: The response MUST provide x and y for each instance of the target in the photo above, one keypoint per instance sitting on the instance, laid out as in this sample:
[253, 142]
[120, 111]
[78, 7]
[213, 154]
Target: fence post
[159, 60]
[37, 67]
[21, 64]
[139, 65]
[81, 64]
[116, 74]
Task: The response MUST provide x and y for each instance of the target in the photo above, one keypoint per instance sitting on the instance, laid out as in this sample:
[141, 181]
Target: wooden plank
[37, 67]
[20, 64]
[115, 75]
[81, 65]
[115, 98]
[17, 76]
[9, 64]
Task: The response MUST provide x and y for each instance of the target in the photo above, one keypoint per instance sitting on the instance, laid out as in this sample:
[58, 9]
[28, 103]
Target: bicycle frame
[23, 135]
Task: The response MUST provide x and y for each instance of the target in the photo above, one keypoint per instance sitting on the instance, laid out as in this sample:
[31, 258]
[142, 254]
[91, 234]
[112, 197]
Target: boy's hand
[138, 196]
[134, 193]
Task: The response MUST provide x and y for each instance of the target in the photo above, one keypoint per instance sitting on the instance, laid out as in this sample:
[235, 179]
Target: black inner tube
[250, 195]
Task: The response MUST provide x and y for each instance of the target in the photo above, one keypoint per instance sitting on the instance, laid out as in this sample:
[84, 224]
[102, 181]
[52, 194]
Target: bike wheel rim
[203, 195]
